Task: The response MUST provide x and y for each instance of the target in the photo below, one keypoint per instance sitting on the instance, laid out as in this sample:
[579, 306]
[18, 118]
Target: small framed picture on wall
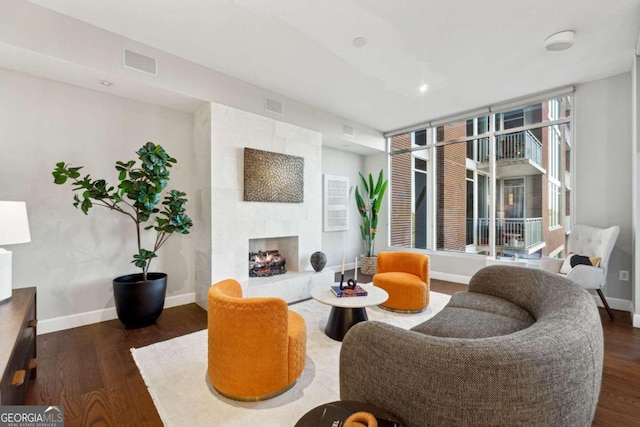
[336, 200]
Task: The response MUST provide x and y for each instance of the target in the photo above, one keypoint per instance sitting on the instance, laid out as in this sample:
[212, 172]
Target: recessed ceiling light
[106, 83]
[423, 88]
[559, 41]
[360, 42]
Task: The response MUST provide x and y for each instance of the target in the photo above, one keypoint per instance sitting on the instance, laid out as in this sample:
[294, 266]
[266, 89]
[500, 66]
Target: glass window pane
[518, 117]
[400, 201]
[451, 175]
[451, 131]
[409, 199]
[462, 129]
[533, 183]
[408, 141]
[420, 206]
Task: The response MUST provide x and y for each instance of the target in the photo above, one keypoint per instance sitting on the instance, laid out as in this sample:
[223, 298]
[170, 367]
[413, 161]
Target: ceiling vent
[348, 131]
[273, 106]
[139, 62]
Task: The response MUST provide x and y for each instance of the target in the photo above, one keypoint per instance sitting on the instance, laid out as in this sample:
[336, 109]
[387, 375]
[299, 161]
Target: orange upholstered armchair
[405, 277]
[257, 346]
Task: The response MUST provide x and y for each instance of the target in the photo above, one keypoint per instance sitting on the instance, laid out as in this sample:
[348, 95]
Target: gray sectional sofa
[521, 347]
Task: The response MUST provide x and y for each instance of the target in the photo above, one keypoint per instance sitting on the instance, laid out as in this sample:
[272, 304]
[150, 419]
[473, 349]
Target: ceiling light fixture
[559, 41]
[106, 83]
[360, 42]
[423, 88]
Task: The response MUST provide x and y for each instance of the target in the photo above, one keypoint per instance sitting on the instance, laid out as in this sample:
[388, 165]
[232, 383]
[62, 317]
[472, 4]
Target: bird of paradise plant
[369, 207]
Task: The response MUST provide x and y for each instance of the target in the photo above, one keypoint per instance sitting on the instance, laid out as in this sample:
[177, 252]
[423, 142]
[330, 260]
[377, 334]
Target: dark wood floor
[90, 370]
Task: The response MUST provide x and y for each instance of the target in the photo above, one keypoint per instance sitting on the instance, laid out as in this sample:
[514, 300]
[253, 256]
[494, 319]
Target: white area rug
[175, 373]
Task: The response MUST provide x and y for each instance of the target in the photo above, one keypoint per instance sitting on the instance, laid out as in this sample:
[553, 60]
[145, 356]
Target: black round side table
[312, 418]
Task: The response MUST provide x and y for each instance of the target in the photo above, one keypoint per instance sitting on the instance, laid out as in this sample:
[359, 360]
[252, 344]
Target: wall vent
[139, 62]
[273, 106]
[348, 131]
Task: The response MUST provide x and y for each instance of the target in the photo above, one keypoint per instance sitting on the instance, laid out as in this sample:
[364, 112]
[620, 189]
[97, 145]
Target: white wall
[349, 242]
[603, 168]
[73, 258]
[203, 214]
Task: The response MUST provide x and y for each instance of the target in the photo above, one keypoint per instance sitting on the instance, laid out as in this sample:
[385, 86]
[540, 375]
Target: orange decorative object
[257, 346]
[361, 419]
[405, 277]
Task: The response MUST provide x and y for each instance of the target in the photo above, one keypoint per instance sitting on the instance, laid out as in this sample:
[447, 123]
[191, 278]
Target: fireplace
[266, 263]
[282, 248]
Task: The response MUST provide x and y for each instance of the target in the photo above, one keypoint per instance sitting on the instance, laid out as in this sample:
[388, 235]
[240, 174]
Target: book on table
[334, 416]
[358, 291]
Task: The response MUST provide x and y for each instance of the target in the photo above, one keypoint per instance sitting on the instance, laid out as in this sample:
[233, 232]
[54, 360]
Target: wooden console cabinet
[17, 345]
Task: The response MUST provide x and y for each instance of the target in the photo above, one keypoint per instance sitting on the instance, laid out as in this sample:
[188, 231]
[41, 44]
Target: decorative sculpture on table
[351, 283]
[318, 260]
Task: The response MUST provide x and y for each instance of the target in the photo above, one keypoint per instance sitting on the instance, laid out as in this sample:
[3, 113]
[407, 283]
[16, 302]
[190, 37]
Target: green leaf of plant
[141, 186]
[371, 187]
[362, 208]
[381, 196]
[364, 183]
[379, 184]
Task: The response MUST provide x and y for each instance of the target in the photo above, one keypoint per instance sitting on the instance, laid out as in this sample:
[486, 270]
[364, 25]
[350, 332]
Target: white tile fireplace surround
[292, 286]
[222, 133]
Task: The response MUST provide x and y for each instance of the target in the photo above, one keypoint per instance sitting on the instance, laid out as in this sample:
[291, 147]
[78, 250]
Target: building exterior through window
[446, 177]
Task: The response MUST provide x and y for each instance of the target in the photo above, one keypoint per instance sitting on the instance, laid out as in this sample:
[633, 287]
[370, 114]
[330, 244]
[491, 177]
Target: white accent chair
[592, 242]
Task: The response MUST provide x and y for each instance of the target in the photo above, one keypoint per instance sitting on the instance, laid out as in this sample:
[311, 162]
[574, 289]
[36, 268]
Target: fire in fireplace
[266, 263]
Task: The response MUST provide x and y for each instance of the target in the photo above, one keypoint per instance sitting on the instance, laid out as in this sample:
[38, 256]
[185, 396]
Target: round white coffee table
[347, 311]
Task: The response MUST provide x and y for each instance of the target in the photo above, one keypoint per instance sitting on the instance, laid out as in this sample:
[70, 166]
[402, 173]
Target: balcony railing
[513, 146]
[511, 233]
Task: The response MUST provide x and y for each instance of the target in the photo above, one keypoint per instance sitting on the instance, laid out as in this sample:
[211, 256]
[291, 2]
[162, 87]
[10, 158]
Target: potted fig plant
[368, 207]
[139, 297]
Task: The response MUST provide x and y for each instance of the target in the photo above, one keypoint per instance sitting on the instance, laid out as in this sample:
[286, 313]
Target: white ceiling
[470, 53]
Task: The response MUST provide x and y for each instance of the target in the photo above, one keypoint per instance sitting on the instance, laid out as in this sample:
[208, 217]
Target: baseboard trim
[448, 277]
[615, 303]
[87, 318]
[636, 320]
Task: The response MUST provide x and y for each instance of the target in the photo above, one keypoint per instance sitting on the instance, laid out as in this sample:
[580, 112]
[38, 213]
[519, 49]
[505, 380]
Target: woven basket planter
[368, 265]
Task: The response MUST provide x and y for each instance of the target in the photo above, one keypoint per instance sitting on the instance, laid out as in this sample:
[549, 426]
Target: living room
[55, 108]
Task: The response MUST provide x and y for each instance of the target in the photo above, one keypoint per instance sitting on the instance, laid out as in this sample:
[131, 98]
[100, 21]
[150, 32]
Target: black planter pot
[139, 303]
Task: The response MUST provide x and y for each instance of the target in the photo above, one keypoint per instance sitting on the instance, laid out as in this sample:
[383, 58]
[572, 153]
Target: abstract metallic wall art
[273, 177]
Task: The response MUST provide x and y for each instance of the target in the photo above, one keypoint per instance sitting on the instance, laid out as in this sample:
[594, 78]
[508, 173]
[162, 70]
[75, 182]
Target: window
[441, 178]
[513, 198]
[554, 205]
[409, 191]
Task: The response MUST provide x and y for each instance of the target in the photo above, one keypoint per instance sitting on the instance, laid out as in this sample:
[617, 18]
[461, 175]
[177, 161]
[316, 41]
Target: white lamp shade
[14, 224]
